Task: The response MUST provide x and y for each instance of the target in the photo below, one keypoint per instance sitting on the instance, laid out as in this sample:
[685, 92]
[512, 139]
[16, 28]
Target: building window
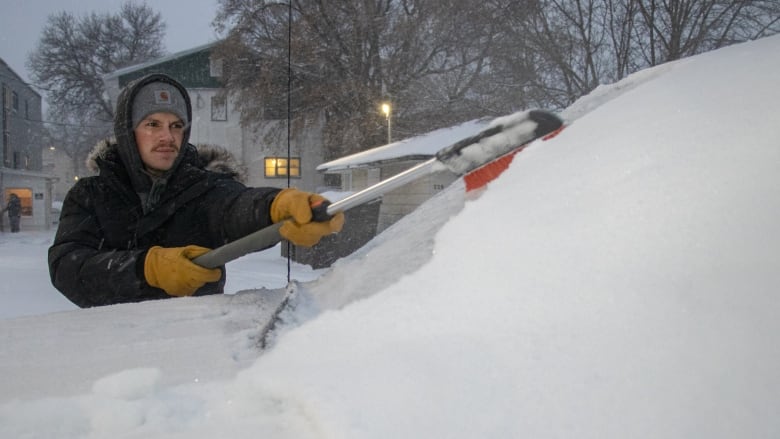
[281, 167]
[332, 181]
[215, 67]
[218, 108]
[15, 102]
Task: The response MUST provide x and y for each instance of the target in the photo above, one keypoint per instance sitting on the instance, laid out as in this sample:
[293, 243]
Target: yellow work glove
[296, 205]
[172, 270]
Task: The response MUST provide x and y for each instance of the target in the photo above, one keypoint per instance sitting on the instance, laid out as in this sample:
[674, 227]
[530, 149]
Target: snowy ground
[29, 292]
[620, 280]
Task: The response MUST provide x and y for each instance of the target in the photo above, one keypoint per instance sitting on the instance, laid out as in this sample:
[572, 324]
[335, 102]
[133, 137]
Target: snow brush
[479, 158]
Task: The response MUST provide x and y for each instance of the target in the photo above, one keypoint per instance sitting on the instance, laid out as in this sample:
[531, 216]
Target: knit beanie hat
[158, 97]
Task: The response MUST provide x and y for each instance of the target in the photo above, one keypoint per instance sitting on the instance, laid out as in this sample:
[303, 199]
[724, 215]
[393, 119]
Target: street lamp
[386, 112]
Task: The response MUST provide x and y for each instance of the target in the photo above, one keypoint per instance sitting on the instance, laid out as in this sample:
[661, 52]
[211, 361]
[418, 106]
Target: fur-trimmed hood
[212, 158]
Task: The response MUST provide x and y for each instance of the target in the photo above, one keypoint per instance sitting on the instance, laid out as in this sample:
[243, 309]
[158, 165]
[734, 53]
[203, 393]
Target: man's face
[159, 137]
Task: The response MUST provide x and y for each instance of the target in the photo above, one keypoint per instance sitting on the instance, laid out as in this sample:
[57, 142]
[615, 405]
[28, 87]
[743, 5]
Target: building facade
[21, 145]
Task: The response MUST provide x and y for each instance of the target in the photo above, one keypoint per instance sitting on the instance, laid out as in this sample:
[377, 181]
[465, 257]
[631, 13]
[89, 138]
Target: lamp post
[386, 112]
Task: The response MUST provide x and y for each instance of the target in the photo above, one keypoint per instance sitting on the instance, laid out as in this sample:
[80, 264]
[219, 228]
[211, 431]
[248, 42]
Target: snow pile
[619, 280]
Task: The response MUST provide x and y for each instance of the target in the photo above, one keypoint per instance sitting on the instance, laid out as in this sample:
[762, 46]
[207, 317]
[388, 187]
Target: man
[14, 209]
[129, 233]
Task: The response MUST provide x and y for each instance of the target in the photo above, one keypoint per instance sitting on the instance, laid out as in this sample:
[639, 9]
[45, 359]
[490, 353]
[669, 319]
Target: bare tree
[564, 44]
[71, 59]
[463, 84]
[570, 47]
[73, 54]
[350, 55]
[619, 24]
[446, 61]
[673, 29]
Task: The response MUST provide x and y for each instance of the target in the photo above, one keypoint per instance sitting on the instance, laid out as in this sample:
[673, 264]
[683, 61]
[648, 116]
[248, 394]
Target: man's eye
[177, 126]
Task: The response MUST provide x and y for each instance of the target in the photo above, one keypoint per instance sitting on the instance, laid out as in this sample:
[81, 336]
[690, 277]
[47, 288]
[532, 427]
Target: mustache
[166, 145]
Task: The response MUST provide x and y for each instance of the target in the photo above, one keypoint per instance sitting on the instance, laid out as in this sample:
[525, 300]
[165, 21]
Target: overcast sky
[21, 22]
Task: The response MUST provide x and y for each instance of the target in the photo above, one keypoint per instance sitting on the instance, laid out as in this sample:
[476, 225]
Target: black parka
[105, 228]
[14, 206]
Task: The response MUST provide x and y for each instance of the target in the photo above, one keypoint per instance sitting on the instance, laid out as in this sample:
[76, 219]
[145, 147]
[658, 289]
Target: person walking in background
[130, 233]
[14, 209]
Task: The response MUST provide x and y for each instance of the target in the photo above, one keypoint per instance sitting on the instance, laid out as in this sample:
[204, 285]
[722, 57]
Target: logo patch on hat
[162, 97]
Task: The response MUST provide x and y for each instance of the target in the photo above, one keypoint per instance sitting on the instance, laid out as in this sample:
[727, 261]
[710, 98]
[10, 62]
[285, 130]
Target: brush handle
[321, 212]
[258, 240]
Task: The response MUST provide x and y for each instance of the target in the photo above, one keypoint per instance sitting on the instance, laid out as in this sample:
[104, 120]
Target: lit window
[25, 197]
[280, 167]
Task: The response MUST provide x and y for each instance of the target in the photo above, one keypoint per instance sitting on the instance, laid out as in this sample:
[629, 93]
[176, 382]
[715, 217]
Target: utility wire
[289, 119]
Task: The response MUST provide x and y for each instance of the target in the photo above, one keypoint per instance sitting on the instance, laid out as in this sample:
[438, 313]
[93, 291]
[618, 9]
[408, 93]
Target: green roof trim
[190, 67]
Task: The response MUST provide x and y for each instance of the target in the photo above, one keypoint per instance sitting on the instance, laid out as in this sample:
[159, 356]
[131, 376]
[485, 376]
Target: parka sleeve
[83, 270]
[240, 210]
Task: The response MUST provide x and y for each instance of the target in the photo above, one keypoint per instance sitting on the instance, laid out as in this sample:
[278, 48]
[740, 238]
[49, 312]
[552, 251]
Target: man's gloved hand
[296, 205]
[172, 270]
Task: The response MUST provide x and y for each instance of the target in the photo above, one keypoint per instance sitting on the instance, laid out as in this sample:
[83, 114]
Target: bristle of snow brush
[488, 172]
[503, 136]
[480, 177]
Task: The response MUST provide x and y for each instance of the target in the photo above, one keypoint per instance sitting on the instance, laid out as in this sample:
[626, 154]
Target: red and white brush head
[481, 176]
